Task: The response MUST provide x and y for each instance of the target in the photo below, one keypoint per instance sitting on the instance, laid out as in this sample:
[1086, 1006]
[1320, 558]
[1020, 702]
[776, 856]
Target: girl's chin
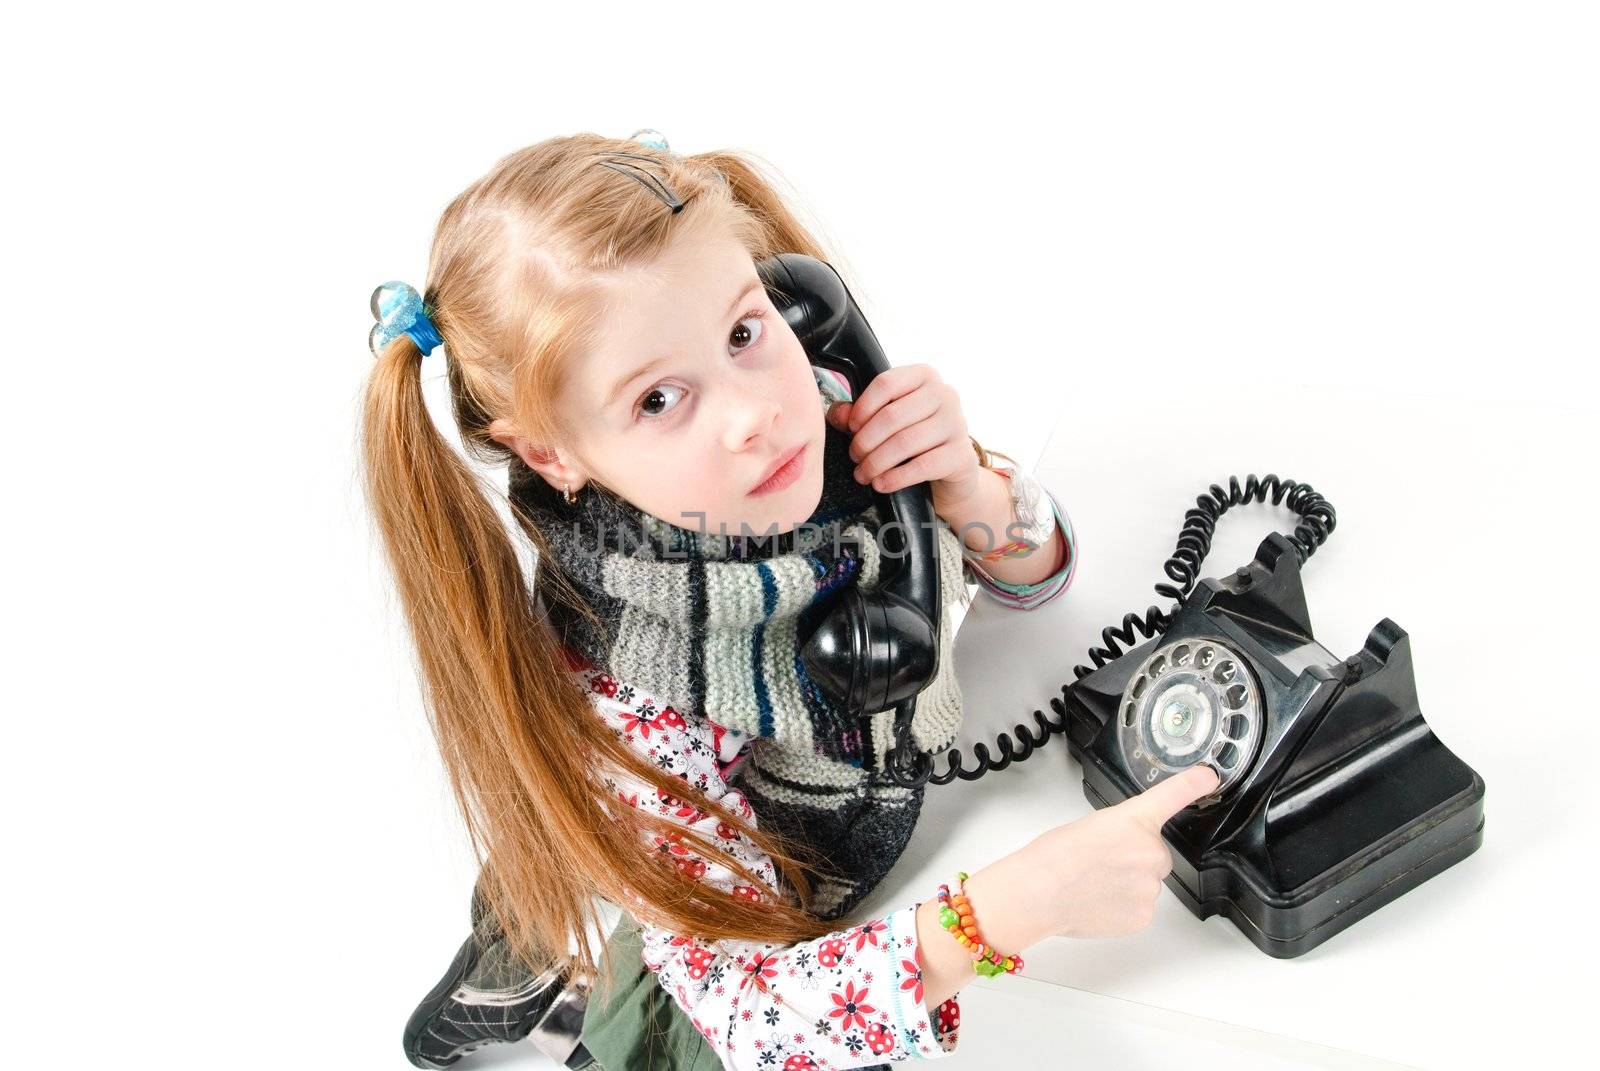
[808, 496]
[789, 515]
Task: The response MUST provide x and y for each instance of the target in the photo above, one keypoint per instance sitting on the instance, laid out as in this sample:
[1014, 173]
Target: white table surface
[1478, 966]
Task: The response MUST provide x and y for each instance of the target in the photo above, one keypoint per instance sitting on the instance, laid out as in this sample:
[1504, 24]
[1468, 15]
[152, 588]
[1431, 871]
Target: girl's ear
[546, 461]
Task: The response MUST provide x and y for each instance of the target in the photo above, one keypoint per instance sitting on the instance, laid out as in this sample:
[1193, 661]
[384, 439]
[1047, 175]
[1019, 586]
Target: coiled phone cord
[1318, 519]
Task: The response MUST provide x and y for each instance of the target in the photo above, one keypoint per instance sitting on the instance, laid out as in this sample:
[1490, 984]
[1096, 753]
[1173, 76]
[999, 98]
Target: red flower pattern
[851, 1007]
[867, 933]
[759, 969]
[680, 809]
[639, 720]
[913, 980]
[672, 844]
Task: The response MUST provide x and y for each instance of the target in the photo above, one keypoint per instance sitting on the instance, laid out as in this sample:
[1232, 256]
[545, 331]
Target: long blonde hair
[511, 290]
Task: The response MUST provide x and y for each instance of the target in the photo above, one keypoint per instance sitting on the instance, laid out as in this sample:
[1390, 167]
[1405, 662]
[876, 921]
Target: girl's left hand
[907, 428]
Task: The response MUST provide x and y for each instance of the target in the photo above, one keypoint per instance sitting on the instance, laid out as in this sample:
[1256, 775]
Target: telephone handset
[872, 649]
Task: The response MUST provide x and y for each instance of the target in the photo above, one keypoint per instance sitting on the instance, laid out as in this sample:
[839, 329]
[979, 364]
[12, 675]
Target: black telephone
[1334, 797]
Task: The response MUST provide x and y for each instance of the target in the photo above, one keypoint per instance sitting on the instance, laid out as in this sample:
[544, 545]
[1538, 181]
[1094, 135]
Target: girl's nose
[751, 415]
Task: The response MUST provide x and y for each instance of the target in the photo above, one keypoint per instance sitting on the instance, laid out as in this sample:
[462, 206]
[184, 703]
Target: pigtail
[519, 737]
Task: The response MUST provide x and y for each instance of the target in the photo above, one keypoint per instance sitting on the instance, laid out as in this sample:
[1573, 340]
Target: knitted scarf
[713, 624]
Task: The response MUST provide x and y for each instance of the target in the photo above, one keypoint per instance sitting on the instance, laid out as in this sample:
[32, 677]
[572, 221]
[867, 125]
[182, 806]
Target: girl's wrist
[1011, 904]
[946, 966]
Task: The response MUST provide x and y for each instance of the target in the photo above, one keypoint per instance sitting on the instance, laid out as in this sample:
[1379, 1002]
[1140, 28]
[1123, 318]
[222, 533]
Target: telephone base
[1338, 799]
[1285, 929]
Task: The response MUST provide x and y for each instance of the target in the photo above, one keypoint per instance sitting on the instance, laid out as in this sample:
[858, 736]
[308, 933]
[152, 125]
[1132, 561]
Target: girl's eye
[648, 409]
[742, 337]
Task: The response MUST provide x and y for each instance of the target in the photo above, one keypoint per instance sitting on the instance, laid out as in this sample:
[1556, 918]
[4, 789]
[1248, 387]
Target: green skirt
[640, 1027]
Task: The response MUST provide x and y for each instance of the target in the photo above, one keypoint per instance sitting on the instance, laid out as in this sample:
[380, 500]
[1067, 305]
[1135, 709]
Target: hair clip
[653, 139]
[399, 310]
[642, 177]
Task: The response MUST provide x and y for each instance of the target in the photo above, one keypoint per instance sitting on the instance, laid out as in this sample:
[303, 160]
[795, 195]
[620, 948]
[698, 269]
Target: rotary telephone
[1334, 796]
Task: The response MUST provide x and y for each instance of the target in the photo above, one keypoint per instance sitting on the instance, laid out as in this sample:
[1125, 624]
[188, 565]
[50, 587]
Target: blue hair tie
[399, 311]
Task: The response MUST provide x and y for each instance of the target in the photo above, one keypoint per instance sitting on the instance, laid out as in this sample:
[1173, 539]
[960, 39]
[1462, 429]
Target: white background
[228, 833]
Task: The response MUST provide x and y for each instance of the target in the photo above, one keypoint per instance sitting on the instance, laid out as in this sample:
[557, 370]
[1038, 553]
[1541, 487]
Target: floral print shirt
[852, 998]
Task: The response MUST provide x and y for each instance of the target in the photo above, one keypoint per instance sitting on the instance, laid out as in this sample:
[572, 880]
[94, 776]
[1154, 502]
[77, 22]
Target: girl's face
[696, 392]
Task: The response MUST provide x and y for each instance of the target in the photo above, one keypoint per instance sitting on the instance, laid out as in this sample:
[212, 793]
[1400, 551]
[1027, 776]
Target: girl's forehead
[652, 310]
[693, 262]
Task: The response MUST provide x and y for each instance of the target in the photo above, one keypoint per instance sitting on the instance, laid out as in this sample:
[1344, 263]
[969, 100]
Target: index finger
[1161, 801]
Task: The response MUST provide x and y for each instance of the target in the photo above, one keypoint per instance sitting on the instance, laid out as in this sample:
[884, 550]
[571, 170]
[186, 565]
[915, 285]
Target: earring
[572, 499]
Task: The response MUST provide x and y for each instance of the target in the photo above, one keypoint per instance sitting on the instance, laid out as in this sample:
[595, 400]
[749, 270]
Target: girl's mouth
[787, 473]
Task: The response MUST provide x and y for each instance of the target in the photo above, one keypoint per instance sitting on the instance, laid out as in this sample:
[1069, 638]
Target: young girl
[607, 338]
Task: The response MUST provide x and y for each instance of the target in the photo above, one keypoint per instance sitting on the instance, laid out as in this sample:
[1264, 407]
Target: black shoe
[489, 996]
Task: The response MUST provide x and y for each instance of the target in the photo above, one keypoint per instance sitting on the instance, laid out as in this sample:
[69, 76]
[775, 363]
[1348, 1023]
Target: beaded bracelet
[957, 917]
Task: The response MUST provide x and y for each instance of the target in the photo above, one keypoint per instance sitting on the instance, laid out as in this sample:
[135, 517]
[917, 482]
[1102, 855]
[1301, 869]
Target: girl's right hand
[1096, 877]
[1105, 869]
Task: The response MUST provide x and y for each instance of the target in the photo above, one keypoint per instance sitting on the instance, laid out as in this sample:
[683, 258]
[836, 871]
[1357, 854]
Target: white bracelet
[1032, 513]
